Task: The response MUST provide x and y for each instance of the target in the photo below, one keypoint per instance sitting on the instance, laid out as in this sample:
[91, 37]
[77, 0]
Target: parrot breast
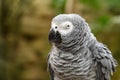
[68, 66]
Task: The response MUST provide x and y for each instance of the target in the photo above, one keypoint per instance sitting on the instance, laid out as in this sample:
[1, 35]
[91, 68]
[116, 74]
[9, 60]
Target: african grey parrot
[76, 54]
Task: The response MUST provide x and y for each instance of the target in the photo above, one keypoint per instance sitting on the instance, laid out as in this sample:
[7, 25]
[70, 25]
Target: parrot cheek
[54, 37]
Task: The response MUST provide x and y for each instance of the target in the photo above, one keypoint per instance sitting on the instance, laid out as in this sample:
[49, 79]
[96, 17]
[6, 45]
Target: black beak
[55, 36]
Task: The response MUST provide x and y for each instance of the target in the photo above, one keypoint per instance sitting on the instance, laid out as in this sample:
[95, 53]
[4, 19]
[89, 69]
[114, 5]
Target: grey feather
[77, 55]
[50, 70]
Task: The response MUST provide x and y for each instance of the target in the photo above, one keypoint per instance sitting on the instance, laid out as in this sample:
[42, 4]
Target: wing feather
[105, 63]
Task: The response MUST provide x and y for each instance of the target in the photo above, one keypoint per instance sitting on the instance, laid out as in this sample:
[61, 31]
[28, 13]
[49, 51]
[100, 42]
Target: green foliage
[11, 12]
[58, 5]
[114, 6]
[103, 20]
[101, 24]
[2, 70]
[95, 4]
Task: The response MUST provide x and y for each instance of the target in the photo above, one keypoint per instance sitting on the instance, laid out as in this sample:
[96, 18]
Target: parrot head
[65, 27]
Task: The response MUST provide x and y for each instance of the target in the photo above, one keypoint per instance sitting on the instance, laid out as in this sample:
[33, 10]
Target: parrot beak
[54, 36]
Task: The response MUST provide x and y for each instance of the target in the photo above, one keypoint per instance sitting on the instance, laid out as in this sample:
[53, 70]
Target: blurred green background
[24, 27]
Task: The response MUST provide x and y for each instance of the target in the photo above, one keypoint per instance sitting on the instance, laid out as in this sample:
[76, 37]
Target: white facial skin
[63, 28]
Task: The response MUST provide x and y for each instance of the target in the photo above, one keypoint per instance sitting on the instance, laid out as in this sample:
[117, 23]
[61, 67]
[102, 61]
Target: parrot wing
[104, 62]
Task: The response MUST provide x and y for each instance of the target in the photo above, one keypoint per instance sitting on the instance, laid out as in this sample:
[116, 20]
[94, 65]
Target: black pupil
[55, 27]
[68, 25]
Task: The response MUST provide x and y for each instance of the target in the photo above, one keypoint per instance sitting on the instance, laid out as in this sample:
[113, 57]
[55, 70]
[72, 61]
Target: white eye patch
[54, 27]
[64, 28]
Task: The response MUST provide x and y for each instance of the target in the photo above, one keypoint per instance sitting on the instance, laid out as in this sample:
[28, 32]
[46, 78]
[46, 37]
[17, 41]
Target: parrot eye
[68, 26]
[56, 27]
